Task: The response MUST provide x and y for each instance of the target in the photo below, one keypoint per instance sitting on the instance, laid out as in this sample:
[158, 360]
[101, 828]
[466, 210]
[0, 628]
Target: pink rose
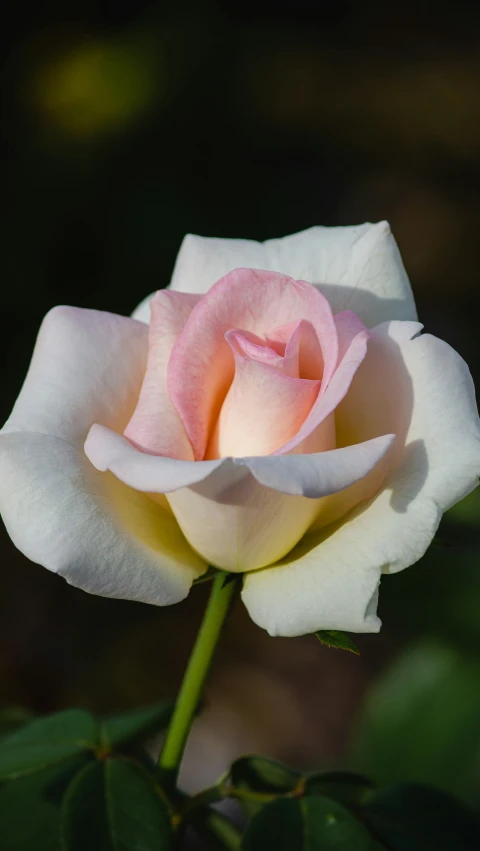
[255, 425]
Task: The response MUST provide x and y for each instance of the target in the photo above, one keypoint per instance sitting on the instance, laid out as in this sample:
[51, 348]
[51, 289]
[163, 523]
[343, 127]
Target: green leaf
[313, 823]
[344, 786]
[420, 722]
[338, 640]
[12, 718]
[47, 741]
[30, 809]
[114, 806]
[132, 727]
[263, 775]
[410, 817]
[256, 779]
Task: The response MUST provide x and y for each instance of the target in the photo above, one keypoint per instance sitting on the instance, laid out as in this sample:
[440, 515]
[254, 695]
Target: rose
[267, 431]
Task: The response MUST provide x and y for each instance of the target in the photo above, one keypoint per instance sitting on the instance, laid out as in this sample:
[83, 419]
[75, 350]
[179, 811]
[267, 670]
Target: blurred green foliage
[82, 790]
[421, 721]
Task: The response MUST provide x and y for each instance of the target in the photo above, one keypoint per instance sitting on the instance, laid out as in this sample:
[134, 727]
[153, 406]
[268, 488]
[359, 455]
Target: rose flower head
[276, 412]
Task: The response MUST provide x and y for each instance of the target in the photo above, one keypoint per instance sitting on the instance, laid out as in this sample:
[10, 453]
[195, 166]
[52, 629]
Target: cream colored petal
[99, 534]
[315, 587]
[242, 513]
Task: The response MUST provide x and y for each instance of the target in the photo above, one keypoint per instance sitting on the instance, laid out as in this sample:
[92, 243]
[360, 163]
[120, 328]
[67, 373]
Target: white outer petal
[317, 586]
[358, 268]
[142, 311]
[86, 367]
[59, 511]
[423, 390]
[91, 529]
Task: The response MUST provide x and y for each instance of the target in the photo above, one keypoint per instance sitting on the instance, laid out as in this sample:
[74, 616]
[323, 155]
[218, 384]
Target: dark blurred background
[127, 125]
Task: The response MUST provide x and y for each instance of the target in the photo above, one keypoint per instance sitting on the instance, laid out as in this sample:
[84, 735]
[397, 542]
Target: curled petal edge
[313, 476]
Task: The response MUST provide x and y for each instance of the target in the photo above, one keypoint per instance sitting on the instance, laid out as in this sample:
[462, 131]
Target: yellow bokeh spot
[98, 86]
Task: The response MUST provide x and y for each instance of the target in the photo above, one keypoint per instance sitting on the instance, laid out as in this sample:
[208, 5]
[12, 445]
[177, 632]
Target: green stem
[195, 676]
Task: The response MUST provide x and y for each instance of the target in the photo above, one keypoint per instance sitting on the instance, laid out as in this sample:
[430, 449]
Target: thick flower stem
[194, 679]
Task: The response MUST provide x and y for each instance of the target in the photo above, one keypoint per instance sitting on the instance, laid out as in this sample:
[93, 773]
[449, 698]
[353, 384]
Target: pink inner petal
[283, 358]
[254, 348]
[305, 342]
[155, 426]
[265, 405]
[333, 394]
[201, 366]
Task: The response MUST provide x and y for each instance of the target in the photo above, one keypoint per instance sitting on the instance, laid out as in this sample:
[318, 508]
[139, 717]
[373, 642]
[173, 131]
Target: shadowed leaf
[46, 741]
[344, 786]
[113, 805]
[313, 823]
[30, 809]
[411, 817]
